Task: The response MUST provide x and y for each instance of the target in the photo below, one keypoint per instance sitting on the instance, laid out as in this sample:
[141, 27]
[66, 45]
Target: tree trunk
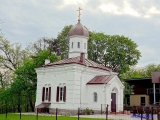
[31, 103]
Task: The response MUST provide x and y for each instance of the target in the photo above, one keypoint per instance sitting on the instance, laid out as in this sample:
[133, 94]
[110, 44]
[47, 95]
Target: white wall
[53, 76]
[75, 77]
[100, 90]
[115, 83]
[75, 51]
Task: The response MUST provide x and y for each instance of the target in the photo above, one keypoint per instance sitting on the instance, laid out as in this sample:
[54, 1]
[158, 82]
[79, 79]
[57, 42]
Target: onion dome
[78, 29]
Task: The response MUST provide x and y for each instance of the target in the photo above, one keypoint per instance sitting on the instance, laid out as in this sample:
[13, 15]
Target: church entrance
[113, 102]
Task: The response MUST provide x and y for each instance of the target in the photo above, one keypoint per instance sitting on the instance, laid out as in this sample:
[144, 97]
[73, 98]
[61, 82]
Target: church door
[113, 102]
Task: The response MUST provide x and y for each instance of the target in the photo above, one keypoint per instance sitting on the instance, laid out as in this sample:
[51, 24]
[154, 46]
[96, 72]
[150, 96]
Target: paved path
[115, 117]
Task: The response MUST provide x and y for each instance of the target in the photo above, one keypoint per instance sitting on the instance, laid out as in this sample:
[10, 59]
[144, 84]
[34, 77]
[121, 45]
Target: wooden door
[113, 102]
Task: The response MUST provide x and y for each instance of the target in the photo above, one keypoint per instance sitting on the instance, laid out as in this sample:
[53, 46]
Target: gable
[116, 79]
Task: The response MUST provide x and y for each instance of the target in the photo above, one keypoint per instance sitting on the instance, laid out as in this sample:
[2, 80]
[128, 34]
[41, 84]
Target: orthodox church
[77, 82]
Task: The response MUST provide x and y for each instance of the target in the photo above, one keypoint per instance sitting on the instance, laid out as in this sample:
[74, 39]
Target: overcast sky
[27, 20]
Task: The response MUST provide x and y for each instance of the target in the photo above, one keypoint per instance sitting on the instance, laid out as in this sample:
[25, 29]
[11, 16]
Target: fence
[134, 113]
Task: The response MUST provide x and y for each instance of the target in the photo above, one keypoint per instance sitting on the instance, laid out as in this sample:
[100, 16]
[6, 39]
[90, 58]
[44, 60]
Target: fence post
[152, 112]
[158, 116]
[78, 113]
[107, 112]
[6, 109]
[141, 112]
[101, 109]
[20, 112]
[115, 109]
[56, 113]
[37, 114]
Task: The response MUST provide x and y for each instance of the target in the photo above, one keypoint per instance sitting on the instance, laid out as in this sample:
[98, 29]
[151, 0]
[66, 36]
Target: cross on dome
[79, 9]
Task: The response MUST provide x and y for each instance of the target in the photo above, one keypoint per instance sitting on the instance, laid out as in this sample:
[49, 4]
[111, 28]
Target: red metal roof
[43, 105]
[101, 79]
[76, 60]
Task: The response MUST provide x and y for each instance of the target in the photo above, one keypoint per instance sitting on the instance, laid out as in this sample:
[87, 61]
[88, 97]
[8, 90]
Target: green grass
[33, 117]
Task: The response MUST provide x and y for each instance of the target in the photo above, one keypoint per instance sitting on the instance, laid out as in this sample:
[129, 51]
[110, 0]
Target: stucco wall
[75, 51]
[75, 77]
[135, 100]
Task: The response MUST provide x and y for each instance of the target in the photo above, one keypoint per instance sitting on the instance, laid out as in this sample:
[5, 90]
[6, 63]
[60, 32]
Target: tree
[11, 55]
[115, 52]
[63, 40]
[144, 72]
[25, 81]
[97, 46]
[58, 46]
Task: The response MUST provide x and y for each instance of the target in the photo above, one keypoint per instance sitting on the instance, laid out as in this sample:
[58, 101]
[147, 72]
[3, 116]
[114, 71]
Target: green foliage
[115, 52]
[63, 41]
[134, 72]
[88, 111]
[11, 54]
[144, 72]
[25, 81]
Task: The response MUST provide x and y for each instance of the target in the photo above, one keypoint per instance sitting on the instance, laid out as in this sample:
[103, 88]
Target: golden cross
[79, 13]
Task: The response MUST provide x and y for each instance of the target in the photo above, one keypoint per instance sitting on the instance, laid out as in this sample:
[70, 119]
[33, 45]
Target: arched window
[61, 93]
[84, 45]
[78, 44]
[95, 97]
[46, 94]
[72, 44]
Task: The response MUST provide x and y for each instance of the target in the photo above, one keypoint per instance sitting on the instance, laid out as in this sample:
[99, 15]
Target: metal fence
[134, 113]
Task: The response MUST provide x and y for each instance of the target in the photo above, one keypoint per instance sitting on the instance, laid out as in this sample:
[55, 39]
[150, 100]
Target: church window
[84, 45]
[95, 97]
[46, 94]
[72, 44]
[78, 45]
[61, 94]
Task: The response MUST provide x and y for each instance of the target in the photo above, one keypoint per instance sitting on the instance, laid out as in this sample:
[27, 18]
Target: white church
[77, 82]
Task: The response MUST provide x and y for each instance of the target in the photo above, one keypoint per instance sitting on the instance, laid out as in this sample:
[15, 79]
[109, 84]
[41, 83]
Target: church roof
[101, 79]
[78, 29]
[76, 60]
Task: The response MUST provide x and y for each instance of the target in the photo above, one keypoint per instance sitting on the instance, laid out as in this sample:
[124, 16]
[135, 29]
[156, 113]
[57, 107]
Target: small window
[46, 93]
[143, 101]
[72, 44]
[78, 45]
[61, 94]
[84, 45]
[95, 97]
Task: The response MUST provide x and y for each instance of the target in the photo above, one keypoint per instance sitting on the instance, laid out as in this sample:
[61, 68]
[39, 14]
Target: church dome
[78, 29]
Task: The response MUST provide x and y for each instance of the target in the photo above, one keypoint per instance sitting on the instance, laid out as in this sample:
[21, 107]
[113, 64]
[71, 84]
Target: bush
[88, 111]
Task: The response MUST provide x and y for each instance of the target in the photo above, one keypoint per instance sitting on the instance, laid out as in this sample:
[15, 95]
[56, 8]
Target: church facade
[77, 82]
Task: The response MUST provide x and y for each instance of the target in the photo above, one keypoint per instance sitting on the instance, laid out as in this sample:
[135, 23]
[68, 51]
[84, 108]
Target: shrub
[88, 111]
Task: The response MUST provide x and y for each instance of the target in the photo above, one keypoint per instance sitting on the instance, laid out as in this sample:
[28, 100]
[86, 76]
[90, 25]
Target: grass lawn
[33, 117]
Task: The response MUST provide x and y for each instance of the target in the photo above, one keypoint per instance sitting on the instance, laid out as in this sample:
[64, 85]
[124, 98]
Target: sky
[26, 21]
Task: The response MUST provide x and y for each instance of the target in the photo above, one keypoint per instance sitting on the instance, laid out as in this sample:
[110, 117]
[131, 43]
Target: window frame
[72, 45]
[61, 93]
[95, 97]
[78, 45]
[46, 94]
[84, 45]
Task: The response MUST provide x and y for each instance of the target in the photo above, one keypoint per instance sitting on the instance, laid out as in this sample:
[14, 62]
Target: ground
[29, 116]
